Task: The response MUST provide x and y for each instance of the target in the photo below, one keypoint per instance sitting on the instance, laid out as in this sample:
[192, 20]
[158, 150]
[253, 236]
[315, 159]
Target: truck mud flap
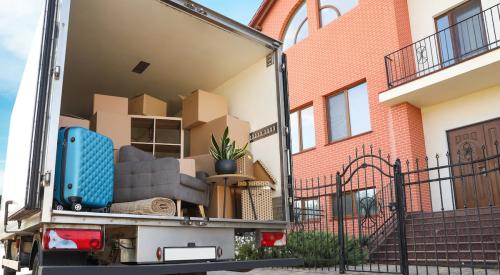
[159, 269]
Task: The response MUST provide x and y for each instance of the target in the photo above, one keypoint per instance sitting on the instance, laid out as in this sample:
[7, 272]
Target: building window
[467, 35]
[302, 129]
[298, 28]
[358, 203]
[307, 209]
[348, 113]
[329, 10]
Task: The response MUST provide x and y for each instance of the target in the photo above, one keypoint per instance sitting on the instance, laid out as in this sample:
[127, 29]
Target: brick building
[346, 90]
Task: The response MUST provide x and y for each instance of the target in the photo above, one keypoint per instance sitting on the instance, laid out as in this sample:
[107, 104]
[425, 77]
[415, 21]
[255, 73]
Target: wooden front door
[476, 177]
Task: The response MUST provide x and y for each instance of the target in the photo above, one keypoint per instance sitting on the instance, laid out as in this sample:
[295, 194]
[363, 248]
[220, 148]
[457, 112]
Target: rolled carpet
[154, 206]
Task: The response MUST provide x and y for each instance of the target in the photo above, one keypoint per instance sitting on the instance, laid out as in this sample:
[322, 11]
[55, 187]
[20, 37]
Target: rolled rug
[154, 206]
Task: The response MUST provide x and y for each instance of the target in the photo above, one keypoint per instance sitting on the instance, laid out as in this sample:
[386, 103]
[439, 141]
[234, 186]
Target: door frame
[447, 132]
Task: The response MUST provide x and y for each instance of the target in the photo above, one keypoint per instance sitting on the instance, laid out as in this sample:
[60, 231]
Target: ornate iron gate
[370, 208]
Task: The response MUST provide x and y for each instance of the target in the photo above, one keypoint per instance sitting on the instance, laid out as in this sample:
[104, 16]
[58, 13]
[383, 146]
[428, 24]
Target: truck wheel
[36, 266]
[76, 207]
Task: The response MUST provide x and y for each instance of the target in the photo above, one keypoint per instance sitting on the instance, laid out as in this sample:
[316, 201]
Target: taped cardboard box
[146, 105]
[239, 131]
[201, 107]
[204, 163]
[187, 167]
[110, 104]
[113, 125]
[71, 121]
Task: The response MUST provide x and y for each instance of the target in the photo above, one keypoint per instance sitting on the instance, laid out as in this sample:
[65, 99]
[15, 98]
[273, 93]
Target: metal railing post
[340, 220]
[400, 212]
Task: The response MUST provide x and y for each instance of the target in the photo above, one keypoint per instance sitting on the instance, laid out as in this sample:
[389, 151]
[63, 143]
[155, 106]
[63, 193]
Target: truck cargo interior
[174, 72]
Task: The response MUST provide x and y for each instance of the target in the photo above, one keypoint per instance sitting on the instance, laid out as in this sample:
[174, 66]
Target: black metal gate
[370, 208]
[387, 216]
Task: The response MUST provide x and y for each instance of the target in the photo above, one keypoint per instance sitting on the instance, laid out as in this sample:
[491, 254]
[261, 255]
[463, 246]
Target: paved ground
[413, 270]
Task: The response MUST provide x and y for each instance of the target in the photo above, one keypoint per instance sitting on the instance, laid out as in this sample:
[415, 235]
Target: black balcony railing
[466, 39]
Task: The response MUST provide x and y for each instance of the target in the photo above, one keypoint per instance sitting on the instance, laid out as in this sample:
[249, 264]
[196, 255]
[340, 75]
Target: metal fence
[439, 214]
[449, 46]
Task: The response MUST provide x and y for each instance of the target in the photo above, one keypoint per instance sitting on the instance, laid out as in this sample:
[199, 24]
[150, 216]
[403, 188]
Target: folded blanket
[154, 206]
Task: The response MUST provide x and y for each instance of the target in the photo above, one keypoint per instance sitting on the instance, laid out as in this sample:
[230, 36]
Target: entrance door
[477, 179]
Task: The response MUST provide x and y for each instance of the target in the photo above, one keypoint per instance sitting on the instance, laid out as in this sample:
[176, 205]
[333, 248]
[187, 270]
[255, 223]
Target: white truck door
[24, 167]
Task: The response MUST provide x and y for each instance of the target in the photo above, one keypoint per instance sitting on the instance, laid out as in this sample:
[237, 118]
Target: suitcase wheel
[76, 207]
[59, 207]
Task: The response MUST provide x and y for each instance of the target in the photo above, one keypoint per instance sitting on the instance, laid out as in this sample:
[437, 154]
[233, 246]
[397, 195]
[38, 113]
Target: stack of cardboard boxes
[205, 114]
[110, 118]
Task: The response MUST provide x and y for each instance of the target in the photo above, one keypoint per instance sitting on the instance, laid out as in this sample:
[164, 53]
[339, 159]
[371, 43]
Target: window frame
[290, 18]
[330, 6]
[345, 91]
[353, 194]
[304, 215]
[455, 39]
[320, 8]
[299, 110]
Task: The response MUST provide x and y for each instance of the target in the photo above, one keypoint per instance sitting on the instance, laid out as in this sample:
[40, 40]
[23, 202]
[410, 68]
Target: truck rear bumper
[160, 269]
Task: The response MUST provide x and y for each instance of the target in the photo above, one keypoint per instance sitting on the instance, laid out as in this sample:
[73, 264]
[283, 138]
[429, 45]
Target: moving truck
[87, 46]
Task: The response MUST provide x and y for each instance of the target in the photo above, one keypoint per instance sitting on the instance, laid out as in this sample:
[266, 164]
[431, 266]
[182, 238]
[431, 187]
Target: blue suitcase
[84, 170]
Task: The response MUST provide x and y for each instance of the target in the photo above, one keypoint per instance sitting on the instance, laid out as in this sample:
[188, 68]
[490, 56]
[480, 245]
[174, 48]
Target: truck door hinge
[283, 67]
[56, 72]
[45, 181]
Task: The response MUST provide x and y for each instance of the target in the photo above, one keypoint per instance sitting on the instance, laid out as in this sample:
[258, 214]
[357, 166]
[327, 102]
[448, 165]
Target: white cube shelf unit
[162, 136]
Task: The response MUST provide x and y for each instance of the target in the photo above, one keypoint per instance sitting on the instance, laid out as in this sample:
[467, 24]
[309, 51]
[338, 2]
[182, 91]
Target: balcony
[456, 60]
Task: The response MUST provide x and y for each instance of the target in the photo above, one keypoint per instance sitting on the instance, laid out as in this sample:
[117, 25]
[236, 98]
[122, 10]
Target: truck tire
[36, 265]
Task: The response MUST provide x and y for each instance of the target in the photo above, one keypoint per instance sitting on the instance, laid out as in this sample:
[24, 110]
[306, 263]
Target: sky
[18, 21]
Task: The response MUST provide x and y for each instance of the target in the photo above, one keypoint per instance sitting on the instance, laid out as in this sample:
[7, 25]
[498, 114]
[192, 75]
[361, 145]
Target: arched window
[297, 28]
[329, 10]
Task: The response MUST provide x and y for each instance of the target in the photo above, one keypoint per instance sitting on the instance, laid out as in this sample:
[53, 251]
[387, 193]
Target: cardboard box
[187, 167]
[110, 104]
[204, 163]
[68, 121]
[216, 207]
[201, 107]
[146, 105]
[200, 136]
[113, 125]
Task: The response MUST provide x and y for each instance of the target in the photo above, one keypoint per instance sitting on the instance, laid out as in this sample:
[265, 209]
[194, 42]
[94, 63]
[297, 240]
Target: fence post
[400, 212]
[340, 219]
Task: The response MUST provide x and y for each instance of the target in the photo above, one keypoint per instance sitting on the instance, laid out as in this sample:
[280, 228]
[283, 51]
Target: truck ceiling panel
[108, 38]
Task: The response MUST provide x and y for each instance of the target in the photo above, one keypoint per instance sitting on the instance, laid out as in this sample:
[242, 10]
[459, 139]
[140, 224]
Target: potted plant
[226, 154]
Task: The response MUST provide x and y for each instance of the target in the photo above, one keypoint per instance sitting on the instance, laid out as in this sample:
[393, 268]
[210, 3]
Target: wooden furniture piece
[226, 180]
[162, 136]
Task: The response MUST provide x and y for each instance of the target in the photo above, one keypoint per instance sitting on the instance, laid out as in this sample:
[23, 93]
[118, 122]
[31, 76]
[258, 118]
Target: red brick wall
[350, 49]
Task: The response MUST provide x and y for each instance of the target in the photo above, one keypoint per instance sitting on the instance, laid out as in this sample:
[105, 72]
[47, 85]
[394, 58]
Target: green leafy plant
[318, 249]
[227, 148]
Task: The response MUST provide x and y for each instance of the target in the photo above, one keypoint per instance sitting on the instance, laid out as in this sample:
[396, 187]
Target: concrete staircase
[468, 237]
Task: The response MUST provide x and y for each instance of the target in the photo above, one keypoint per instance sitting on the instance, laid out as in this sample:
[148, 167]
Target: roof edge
[261, 13]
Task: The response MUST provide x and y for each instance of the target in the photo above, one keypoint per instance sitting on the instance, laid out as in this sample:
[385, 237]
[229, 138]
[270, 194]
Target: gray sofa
[139, 175]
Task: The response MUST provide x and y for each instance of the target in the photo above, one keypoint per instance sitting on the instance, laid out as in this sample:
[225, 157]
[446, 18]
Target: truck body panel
[252, 77]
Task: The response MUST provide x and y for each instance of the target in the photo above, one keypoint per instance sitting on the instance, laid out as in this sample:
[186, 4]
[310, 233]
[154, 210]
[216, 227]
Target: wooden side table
[227, 180]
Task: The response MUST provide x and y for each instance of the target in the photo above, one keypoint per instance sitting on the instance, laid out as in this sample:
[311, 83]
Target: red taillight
[73, 239]
[158, 253]
[270, 239]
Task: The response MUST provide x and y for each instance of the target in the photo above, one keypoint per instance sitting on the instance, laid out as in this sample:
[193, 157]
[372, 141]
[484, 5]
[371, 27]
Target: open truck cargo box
[95, 46]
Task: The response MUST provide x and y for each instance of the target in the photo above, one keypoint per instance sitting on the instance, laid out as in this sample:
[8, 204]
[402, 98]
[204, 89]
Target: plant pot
[225, 166]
